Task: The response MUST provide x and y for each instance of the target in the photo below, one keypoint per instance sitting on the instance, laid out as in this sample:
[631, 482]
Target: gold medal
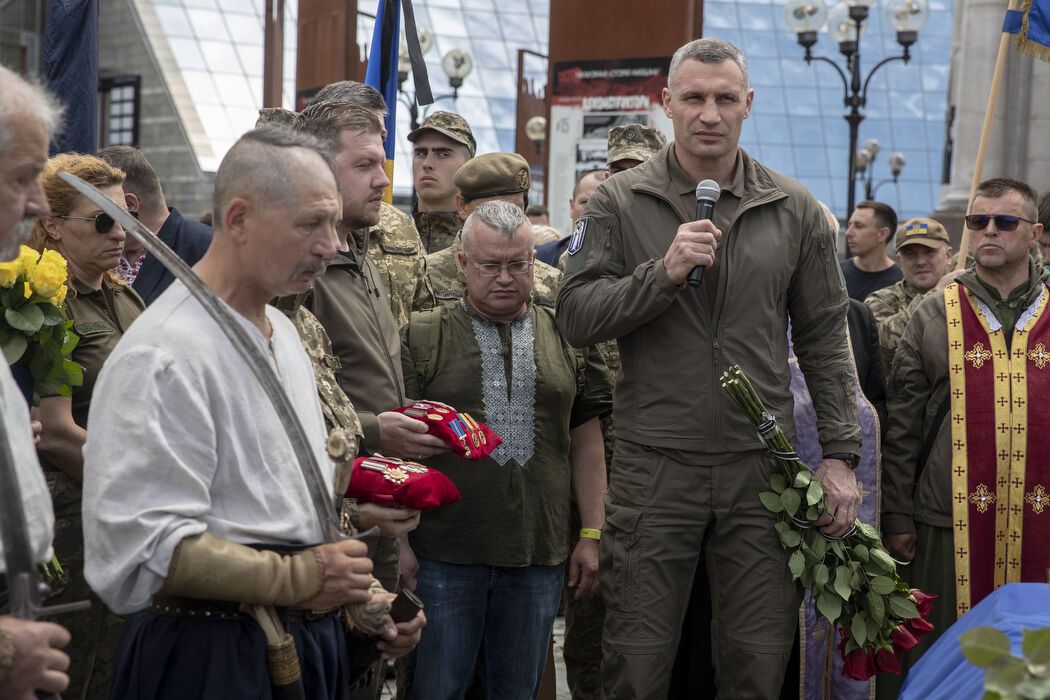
[435, 416]
[396, 474]
[477, 440]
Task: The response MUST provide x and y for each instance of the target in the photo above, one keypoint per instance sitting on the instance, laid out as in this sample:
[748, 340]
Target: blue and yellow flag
[1031, 24]
[381, 73]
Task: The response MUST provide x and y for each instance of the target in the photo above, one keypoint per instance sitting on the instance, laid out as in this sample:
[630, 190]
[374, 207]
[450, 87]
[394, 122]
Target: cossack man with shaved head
[193, 501]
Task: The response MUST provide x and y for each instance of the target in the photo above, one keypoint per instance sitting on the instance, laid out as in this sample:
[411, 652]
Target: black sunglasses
[103, 221]
[1003, 222]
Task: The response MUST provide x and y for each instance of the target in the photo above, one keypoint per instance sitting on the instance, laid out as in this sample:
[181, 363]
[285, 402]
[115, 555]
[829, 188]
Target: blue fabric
[162, 657]
[1038, 23]
[189, 239]
[71, 71]
[943, 671]
[550, 252]
[506, 614]
[381, 72]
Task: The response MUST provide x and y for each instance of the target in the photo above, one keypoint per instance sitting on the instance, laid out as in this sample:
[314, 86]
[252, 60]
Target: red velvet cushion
[388, 481]
[467, 437]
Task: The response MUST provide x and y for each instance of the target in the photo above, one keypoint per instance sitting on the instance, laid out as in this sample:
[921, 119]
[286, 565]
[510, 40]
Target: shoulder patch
[578, 232]
[92, 328]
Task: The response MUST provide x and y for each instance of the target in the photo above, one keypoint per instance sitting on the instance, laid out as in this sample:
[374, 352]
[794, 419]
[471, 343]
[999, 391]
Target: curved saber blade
[322, 495]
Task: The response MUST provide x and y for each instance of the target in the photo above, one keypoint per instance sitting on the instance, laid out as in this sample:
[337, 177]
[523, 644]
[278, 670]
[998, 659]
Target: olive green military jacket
[917, 388]
[352, 305]
[437, 229]
[100, 319]
[777, 261]
[397, 251]
[892, 307]
[442, 282]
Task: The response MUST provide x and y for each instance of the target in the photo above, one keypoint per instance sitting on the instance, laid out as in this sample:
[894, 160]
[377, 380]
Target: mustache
[19, 235]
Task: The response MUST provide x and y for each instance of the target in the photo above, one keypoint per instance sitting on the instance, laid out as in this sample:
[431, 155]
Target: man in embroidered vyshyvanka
[966, 461]
[193, 500]
[491, 566]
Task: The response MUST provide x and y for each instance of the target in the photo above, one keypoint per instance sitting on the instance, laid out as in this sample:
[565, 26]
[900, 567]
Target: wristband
[590, 533]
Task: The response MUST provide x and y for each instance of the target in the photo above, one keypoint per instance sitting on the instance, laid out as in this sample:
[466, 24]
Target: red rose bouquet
[853, 579]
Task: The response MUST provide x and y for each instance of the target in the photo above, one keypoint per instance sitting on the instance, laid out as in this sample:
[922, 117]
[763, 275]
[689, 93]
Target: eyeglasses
[1003, 222]
[103, 221]
[514, 267]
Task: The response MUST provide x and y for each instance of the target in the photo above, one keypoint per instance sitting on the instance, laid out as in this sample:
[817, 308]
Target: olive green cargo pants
[657, 511]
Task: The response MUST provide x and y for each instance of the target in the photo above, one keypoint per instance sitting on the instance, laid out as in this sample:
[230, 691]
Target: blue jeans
[505, 613]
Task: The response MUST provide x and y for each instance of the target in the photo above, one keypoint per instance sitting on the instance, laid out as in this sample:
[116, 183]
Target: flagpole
[986, 128]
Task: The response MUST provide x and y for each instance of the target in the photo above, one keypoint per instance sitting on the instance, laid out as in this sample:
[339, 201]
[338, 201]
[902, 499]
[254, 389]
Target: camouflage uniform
[345, 433]
[437, 229]
[893, 307]
[397, 251]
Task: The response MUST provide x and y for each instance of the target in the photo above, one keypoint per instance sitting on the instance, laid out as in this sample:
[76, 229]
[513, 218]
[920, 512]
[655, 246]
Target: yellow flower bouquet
[35, 332]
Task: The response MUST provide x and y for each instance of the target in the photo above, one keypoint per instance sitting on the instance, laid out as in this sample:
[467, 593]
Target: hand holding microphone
[694, 245]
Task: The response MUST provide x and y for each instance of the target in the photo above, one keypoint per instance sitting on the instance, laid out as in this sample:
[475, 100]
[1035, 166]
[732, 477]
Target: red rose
[859, 665]
[886, 660]
[923, 601]
[918, 626]
[903, 639]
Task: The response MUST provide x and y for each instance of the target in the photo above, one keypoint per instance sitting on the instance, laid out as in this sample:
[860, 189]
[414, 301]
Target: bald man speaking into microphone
[687, 462]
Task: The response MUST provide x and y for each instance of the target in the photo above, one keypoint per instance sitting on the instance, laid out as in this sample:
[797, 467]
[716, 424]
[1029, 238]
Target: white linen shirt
[183, 439]
[40, 517]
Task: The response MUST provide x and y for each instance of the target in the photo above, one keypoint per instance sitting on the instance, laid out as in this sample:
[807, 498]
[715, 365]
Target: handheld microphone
[707, 193]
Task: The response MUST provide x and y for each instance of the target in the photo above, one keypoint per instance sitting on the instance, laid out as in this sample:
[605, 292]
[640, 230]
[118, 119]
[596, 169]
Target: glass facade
[218, 51]
[797, 124]
[487, 99]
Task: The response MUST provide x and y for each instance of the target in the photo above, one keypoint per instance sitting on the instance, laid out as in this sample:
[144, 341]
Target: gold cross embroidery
[1038, 498]
[982, 497]
[977, 355]
[1039, 355]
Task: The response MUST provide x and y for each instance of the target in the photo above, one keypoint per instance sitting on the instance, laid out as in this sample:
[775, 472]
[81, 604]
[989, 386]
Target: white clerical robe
[182, 439]
[36, 501]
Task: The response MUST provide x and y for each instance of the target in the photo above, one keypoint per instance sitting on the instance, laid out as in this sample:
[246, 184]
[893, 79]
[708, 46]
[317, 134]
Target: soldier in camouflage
[441, 145]
[925, 251]
[491, 176]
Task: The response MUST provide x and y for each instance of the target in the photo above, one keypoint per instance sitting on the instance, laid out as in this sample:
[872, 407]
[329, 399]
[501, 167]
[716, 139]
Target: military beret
[492, 175]
[449, 124]
[923, 231]
[634, 141]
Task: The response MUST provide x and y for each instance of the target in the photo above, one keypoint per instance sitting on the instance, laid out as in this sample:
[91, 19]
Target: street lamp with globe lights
[845, 24]
[457, 65]
[865, 167]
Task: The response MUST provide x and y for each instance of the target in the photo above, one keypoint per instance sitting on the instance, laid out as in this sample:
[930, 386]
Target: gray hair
[503, 217]
[707, 51]
[21, 97]
[357, 94]
[256, 165]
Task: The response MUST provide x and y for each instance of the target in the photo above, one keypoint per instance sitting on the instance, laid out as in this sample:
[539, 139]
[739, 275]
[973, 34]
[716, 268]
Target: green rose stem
[853, 580]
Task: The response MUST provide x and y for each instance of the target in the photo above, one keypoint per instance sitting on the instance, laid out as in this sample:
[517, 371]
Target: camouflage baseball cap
[492, 175]
[449, 124]
[922, 231]
[275, 115]
[634, 141]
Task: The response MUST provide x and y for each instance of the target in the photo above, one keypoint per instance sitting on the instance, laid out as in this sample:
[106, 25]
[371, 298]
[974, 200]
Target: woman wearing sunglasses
[101, 309]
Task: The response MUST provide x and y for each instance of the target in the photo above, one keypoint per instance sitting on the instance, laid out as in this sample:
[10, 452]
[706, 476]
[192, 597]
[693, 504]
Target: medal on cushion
[461, 433]
[477, 433]
[394, 474]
